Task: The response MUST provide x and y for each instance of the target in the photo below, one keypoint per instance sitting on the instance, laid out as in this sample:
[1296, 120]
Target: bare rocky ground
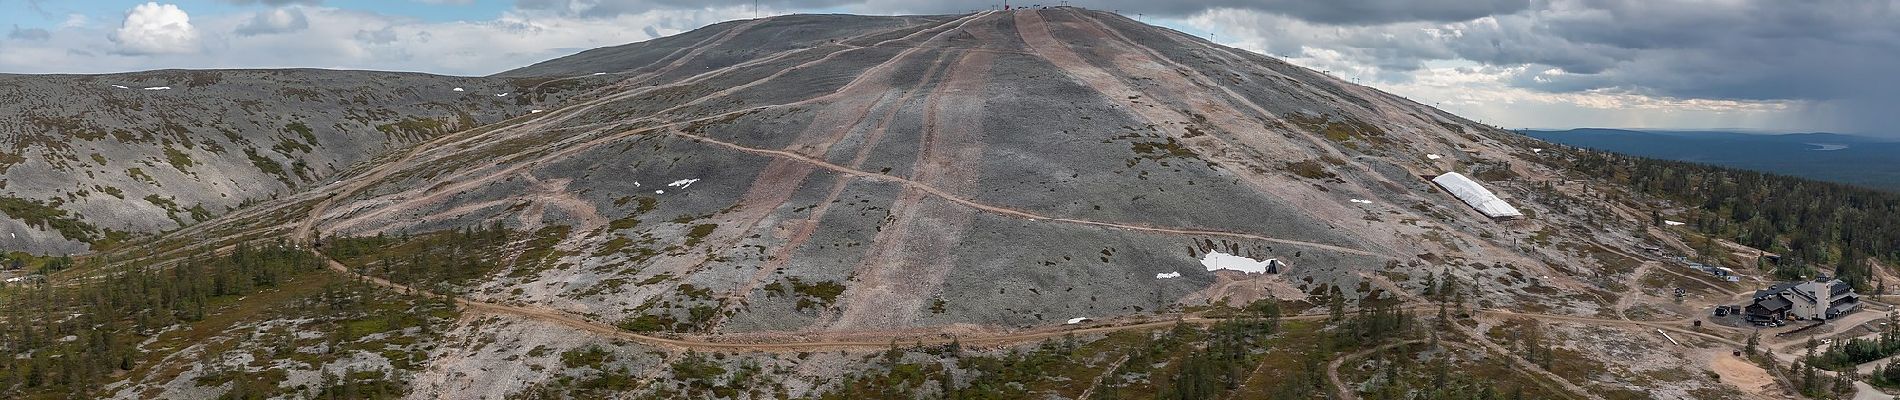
[983, 174]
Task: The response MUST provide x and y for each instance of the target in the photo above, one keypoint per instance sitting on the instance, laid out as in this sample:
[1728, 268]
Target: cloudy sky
[1768, 65]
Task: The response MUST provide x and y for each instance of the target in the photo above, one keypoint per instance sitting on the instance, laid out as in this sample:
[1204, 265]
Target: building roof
[1838, 288]
[1777, 288]
[1772, 303]
[1476, 195]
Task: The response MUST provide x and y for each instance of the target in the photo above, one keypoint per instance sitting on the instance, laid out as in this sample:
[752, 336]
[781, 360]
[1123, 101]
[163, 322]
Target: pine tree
[1336, 305]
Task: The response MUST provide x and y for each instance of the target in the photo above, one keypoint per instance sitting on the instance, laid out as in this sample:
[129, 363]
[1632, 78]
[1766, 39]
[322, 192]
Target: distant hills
[1855, 160]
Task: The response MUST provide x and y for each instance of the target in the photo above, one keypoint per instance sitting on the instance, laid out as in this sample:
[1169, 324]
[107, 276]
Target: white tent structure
[1476, 196]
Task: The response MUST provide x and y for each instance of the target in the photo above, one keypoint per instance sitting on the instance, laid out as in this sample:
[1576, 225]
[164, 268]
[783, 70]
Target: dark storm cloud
[1348, 12]
[1840, 56]
[1837, 56]
[1351, 12]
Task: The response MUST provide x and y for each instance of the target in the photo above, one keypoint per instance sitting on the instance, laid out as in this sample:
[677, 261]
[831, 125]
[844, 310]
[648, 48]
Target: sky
[1757, 65]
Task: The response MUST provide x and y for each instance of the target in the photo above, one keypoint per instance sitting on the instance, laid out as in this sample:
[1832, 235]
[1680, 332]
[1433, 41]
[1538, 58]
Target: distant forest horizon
[1864, 161]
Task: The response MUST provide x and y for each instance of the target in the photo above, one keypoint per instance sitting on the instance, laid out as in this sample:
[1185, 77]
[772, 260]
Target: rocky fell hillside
[979, 171]
[845, 174]
[779, 191]
[88, 159]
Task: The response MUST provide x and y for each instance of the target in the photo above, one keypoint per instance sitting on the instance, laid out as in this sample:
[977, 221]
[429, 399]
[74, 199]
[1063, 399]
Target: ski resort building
[1805, 300]
[1476, 196]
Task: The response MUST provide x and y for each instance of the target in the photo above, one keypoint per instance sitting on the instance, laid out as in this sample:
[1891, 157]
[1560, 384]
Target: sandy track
[855, 102]
[917, 252]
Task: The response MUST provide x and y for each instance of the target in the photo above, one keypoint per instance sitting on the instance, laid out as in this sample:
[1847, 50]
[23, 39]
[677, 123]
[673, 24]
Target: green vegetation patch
[810, 295]
[113, 313]
[414, 127]
[178, 159]
[49, 217]
[139, 174]
[699, 233]
[267, 165]
[439, 260]
[8, 160]
[1343, 129]
[302, 131]
[1309, 169]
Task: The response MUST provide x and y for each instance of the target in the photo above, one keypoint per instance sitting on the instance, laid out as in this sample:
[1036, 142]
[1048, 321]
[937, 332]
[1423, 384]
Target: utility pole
[755, 9]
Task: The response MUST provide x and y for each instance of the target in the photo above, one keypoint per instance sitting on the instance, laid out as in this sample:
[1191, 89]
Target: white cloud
[344, 39]
[154, 28]
[75, 21]
[276, 20]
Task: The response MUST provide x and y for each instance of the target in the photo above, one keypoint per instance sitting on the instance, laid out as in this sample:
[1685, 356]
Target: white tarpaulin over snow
[1215, 261]
[1476, 195]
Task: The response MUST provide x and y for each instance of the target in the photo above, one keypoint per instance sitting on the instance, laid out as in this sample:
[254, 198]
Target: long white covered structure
[1476, 195]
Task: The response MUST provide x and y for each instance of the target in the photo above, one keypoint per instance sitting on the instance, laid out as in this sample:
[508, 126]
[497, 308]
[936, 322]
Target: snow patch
[457, 89]
[501, 95]
[1215, 261]
[599, 73]
[683, 183]
[1361, 201]
[534, 111]
[1078, 320]
[1536, 150]
[1673, 223]
[120, 86]
[159, 88]
[1433, 156]
[1175, 274]
[659, 192]
[1826, 147]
